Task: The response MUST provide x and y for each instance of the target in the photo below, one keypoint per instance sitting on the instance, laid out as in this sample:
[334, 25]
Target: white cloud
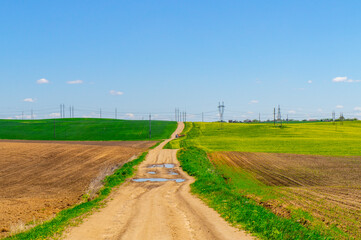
[339, 79]
[75, 82]
[344, 79]
[339, 106]
[42, 81]
[113, 92]
[291, 111]
[131, 115]
[54, 115]
[29, 100]
[357, 108]
[253, 102]
[309, 81]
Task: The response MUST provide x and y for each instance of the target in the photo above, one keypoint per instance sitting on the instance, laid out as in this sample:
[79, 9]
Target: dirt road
[156, 210]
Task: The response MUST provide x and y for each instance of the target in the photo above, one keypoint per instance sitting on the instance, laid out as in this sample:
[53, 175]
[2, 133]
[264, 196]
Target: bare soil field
[40, 178]
[327, 187]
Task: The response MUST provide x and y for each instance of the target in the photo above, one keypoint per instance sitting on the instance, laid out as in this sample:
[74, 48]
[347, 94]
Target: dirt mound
[39, 178]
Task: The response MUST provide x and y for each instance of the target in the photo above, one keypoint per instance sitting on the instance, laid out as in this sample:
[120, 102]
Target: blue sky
[158, 55]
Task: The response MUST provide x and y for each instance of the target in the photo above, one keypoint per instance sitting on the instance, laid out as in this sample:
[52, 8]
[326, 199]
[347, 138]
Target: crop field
[39, 179]
[322, 138]
[328, 188]
[81, 129]
[308, 173]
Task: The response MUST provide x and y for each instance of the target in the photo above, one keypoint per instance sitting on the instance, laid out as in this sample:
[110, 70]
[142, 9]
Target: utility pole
[150, 126]
[221, 111]
[100, 113]
[259, 117]
[70, 112]
[202, 117]
[72, 109]
[61, 111]
[333, 117]
[279, 117]
[274, 116]
[341, 118]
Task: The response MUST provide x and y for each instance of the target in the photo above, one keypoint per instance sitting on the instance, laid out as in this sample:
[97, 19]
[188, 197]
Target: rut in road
[156, 210]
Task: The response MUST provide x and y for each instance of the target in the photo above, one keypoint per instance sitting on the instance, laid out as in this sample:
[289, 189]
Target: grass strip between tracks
[54, 227]
[235, 208]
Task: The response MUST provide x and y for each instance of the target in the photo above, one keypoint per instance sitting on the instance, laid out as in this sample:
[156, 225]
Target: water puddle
[173, 173]
[166, 165]
[178, 180]
[152, 172]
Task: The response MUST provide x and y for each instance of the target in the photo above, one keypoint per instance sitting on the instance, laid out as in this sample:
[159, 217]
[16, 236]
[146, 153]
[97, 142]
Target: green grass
[57, 225]
[321, 138]
[225, 198]
[85, 129]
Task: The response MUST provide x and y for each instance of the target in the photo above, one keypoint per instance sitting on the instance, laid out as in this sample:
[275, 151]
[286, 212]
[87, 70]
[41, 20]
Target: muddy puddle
[165, 165]
[178, 180]
[151, 172]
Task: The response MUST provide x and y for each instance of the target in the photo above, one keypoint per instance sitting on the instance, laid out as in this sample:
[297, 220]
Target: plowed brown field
[327, 187]
[39, 178]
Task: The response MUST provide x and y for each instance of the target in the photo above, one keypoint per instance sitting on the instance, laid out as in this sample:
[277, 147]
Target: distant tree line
[294, 120]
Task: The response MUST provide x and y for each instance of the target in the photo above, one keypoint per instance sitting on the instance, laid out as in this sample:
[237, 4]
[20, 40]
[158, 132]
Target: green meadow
[81, 129]
[321, 138]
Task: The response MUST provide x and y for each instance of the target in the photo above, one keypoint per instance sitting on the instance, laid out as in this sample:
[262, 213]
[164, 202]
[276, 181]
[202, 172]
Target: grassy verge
[82, 129]
[212, 187]
[57, 225]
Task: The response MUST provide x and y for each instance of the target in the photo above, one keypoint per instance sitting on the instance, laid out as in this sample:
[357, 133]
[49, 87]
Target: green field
[321, 138]
[82, 129]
